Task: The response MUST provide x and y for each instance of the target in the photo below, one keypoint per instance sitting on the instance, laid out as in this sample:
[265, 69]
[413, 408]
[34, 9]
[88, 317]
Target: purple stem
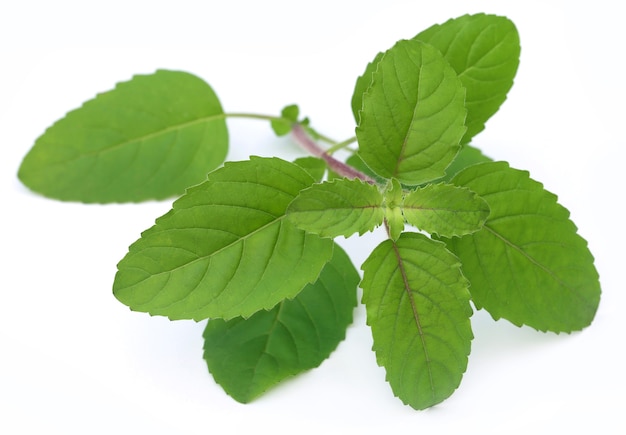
[335, 165]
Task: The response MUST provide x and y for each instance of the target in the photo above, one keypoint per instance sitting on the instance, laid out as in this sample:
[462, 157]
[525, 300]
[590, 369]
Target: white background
[73, 360]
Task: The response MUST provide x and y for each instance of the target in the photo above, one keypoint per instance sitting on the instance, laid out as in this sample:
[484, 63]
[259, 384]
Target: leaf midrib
[212, 254]
[401, 155]
[524, 254]
[143, 138]
[416, 316]
[435, 209]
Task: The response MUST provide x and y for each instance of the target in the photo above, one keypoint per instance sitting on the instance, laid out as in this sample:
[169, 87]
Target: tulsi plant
[250, 247]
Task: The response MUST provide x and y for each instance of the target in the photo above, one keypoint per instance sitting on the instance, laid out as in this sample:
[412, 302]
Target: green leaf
[225, 249]
[445, 210]
[291, 112]
[418, 307]
[484, 51]
[412, 115]
[289, 116]
[248, 356]
[468, 156]
[316, 167]
[362, 85]
[394, 197]
[149, 138]
[357, 163]
[528, 264]
[340, 207]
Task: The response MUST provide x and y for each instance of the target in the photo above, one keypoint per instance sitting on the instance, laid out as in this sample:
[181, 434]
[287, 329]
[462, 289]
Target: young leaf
[412, 116]
[484, 51]
[394, 197]
[527, 264]
[417, 304]
[248, 356]
[225, 249]
[340, 207]
[445, 210]
[149, 138]
[289, 116]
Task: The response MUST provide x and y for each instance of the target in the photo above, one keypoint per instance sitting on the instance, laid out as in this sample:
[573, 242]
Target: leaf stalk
[309, 145]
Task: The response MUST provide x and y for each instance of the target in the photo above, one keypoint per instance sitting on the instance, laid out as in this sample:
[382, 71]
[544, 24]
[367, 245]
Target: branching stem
[302, 138]
[335, 165]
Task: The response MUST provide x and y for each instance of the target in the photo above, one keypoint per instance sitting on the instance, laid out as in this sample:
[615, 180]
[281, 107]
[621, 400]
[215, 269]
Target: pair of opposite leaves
[171, 124]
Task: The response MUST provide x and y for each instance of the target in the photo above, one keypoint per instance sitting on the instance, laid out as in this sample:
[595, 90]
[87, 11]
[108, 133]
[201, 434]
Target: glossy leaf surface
[528, 264]
[412, 116]
[484, 51]
[225, 249]
[149, 138]
[248, 356]
[362, 85]
[445, 210]
[418, 307]
[340, 207]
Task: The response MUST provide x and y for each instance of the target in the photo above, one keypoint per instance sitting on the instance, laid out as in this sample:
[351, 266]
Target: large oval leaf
[418, 307]
[248, 356]
[528, 264]
[149, 138]
[484, 51]
[412, 116]
[225, 249]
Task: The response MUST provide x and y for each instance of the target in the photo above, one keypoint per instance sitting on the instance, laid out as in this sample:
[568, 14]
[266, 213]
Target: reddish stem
[335, 165]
